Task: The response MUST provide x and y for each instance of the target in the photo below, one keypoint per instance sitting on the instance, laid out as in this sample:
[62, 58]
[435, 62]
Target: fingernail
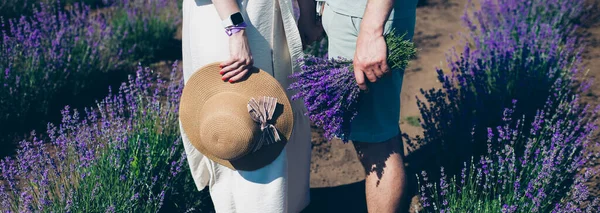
[230, 81]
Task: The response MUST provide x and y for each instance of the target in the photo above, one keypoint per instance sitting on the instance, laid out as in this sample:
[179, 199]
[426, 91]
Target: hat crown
[227, 130]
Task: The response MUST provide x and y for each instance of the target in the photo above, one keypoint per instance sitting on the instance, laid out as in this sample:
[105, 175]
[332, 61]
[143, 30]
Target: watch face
[237, 18]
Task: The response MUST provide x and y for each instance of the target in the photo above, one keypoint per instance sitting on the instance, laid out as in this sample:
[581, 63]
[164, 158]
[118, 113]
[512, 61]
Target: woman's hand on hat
[240, 61]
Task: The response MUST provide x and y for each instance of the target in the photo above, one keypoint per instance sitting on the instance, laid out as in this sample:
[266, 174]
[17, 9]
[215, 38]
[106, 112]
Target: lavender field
[90, 91]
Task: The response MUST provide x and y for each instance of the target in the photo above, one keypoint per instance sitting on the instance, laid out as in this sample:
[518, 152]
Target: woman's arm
[240, 60]
[226, 7]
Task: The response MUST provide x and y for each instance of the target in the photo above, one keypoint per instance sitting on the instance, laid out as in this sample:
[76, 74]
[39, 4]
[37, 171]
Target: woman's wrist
[239, 34]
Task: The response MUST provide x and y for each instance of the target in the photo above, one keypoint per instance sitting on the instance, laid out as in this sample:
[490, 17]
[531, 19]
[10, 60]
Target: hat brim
[205, 83]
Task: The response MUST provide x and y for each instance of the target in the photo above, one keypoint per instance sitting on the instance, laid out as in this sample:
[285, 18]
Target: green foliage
[148, 29]
[413, 121]
[92, 3]
[318, 48]
[16, 8]
[400, 50]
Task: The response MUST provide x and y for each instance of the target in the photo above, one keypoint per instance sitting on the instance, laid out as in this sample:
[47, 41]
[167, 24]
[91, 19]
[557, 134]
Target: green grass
[148, 30]
[413, 121]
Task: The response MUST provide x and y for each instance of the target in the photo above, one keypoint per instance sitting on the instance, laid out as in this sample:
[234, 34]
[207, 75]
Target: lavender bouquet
[329, 89]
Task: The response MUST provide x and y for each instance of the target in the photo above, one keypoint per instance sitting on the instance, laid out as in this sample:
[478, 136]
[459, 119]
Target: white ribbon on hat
[262, 111]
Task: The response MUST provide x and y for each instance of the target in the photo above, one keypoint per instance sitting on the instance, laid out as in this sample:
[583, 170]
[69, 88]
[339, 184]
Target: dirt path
[591, 61]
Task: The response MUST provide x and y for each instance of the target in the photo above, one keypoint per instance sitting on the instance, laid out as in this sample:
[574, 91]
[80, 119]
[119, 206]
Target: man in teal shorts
[355, 30]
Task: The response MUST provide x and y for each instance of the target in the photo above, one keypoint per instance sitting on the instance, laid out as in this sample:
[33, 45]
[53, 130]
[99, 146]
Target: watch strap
[227, 22]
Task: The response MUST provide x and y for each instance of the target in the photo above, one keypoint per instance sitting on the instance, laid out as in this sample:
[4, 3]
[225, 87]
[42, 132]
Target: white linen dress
[283, 185]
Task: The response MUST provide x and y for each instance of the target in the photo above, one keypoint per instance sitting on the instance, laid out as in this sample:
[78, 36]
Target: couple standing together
[239, 35]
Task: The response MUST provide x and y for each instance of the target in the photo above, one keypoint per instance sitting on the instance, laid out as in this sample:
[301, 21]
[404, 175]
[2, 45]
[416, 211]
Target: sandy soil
[591, 59]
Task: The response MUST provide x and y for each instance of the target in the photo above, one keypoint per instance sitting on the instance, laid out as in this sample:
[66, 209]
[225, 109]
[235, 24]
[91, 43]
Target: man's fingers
[384, 68]
[229, 75]
[378, 73]
[370, 73]
[360, 79]
[239, 76]
[380, 70]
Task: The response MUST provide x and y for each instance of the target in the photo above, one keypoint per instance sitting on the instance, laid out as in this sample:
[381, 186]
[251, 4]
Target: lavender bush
[507, 15]
[517, 50]
[54, 52]
[123, 155]
[91, 3]
[522, 61]
[150, 27]
[542, 178]
[329, 90]
[16, 8]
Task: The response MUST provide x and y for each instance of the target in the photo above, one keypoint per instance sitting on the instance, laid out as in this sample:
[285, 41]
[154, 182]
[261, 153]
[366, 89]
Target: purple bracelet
[235, 29]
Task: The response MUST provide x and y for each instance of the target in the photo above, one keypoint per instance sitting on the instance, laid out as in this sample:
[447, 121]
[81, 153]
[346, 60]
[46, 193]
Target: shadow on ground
[349, 198]
[344, 198]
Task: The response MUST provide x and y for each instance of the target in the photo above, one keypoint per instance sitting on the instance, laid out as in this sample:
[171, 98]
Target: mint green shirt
[356, 8]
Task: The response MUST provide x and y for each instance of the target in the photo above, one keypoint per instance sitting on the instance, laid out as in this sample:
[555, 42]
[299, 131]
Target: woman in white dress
[270, 39]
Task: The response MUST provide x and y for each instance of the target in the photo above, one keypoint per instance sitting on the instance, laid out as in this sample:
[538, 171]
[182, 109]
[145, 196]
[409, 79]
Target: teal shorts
[379, 110]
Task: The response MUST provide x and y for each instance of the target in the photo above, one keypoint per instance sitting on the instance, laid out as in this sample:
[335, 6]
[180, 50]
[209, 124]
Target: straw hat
[244, 125]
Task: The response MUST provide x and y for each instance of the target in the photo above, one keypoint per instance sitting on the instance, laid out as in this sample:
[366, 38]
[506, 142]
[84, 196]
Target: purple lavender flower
[329, 90]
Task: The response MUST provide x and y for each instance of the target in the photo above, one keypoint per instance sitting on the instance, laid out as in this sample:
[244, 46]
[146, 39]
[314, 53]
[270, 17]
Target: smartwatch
[233, 20]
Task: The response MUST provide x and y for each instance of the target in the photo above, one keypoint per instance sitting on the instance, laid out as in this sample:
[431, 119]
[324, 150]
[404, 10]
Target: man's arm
[376, 14]
[370, 58]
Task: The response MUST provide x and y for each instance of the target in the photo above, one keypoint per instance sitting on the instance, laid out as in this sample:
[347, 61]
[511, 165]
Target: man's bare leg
[386, 178]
